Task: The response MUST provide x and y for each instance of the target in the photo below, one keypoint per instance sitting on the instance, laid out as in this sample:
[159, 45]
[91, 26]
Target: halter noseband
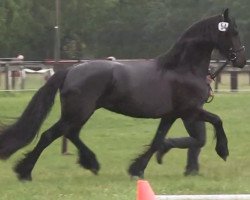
[232, 55]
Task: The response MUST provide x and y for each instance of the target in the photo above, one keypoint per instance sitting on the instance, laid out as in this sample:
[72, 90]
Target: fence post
[64, 145]
[249, 78]
[22, 80]
[13, 79]
[7, 77]
[234, 81]
[216, 83]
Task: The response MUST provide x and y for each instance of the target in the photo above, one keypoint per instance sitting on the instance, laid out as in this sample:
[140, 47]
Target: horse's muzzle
[239, 63]
[238, 57]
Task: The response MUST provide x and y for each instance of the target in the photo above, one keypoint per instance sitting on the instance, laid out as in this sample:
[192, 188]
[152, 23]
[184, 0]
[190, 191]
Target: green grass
[116, 140]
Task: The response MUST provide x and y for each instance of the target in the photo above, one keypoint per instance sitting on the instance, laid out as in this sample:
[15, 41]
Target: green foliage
[95, 29]
[117, 139]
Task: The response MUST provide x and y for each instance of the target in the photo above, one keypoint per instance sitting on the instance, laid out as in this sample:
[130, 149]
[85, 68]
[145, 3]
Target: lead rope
[210, 95]
[218, 70]
[213, 76]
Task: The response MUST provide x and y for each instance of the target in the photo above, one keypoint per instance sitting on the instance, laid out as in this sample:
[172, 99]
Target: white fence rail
[145, 192]
[205, 197]
[9, 66]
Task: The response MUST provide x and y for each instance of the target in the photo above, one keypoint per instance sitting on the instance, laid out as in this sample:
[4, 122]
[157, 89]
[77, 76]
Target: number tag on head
[223, 26]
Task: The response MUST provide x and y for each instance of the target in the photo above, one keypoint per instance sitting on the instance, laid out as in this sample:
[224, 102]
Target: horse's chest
[189, 94]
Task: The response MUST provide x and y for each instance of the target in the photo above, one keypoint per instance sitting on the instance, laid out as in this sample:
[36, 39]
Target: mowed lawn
[116, 140]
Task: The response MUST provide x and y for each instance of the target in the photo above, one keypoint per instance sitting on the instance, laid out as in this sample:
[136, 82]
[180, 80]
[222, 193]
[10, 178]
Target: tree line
[101, 28]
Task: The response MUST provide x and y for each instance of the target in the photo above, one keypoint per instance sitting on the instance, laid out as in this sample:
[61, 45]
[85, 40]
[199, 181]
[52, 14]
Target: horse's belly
[153, 108]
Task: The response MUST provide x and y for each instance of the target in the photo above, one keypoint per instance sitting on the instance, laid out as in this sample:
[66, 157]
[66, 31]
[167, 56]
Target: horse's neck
[188, 55]
[192, 52]
[196, 56]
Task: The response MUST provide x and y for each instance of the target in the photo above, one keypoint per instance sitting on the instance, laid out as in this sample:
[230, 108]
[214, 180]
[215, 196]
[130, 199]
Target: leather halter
[231, 57]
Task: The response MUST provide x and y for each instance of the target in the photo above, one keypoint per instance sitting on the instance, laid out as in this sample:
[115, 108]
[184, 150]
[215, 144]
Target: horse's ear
[226, 15]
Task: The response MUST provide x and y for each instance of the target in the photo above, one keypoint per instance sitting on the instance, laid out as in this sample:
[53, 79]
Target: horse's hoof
[224, 158]
[90, 164]
[94, 171]
[135, 178]
[161, 152]
[159, 157]
[138, 175]
[23, 177]
[23, 172]
[222, 151]
[191, 173]
[135, 173]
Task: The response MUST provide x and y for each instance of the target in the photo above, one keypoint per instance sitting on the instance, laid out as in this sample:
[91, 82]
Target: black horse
[171, 86]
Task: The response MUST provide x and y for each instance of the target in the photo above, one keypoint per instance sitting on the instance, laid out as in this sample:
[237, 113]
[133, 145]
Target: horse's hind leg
[71, 131]
[139, 164]
[75, 112]
[77, 109]
[87, 158]
[26, 165]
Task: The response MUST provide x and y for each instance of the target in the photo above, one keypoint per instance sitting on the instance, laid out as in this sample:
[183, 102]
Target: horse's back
[100, 75]
[86, 74]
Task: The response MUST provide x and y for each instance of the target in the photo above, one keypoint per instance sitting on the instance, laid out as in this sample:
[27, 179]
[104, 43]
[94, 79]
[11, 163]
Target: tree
[26, 29]
[97, 29]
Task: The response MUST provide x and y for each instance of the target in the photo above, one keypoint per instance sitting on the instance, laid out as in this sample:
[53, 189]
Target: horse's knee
[201, 142]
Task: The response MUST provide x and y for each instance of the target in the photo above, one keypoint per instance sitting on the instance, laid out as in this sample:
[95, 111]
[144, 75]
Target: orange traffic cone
[144, 191]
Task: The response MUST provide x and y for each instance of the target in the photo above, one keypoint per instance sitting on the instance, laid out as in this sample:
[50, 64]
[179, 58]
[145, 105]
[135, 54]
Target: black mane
[201, 33]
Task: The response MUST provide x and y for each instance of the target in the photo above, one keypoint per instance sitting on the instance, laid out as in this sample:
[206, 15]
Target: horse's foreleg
[192, 167]
[140, 163]
[221, 143]
[196, 130]
[26, 165]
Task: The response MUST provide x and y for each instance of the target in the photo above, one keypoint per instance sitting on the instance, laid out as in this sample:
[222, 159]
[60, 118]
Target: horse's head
[229, 43]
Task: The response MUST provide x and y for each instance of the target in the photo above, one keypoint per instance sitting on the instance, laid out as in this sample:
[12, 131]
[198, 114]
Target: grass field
[116, 140]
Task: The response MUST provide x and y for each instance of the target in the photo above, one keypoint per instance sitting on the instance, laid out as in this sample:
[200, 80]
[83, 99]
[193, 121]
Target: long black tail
[23, 131]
